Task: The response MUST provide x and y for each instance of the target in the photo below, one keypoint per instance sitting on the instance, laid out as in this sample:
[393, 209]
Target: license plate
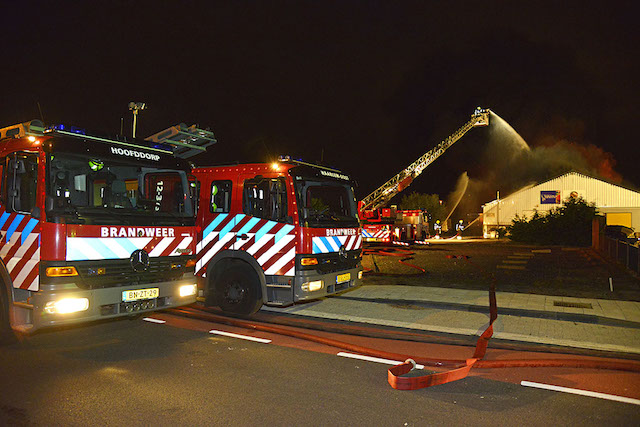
[343, 278]
[137, 294]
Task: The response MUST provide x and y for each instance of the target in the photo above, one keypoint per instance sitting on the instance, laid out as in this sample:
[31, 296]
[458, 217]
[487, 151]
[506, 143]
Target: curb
[521, 312]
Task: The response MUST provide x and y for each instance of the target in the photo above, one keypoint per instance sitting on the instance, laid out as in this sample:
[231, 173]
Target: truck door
[272, 236]
[214, 218]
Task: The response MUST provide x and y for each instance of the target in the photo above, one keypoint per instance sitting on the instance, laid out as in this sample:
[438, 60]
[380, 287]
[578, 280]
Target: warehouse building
[619, 205]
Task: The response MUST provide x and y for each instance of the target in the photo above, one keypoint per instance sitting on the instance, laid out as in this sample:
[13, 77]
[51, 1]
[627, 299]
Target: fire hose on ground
[458, 368]
[403, 254]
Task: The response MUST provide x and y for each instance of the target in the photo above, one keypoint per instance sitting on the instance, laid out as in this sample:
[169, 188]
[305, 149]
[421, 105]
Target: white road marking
[581, 392]
[242, 337]
[512, 267]
[152, 320]
[374, 359]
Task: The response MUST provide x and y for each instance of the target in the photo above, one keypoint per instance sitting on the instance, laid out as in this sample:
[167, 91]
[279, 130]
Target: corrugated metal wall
[607, 197]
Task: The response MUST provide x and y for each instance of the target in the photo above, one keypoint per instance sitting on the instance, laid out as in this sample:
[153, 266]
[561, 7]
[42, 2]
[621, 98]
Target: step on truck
[90, 228]
[275, 234]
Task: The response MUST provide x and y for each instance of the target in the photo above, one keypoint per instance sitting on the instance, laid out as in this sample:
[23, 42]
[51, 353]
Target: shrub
[568, 225]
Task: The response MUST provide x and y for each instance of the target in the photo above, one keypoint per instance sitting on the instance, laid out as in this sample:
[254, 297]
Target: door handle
[242, 236]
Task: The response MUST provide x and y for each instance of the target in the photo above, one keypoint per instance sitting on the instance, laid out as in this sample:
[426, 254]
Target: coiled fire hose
[462, 368]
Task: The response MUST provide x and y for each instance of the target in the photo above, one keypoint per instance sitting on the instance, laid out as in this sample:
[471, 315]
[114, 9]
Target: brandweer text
[136, 232]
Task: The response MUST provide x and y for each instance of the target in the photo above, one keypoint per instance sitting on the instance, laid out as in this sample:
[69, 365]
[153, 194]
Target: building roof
[593, 190]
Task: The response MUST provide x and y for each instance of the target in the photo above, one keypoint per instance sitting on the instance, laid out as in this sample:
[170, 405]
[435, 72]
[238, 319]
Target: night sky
[366, 87]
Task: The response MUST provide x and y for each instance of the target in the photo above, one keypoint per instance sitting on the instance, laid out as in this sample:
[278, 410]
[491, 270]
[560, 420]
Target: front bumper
[332, 283]
[106, 303]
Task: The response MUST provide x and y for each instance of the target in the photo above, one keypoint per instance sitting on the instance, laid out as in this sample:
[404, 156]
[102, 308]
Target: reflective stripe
[217, 220]
[249, 225]
[14, 224]
[265, 229]
[230, 225]
[283, 232]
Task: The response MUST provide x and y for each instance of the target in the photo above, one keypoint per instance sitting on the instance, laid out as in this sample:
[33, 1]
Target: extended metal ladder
[385, 192]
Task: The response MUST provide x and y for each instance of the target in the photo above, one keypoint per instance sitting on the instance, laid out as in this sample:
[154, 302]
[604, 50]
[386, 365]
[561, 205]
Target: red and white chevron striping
[275, 250]
[21, 253]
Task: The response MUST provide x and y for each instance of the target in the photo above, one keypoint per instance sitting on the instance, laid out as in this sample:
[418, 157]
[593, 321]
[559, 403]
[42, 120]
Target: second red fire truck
[275, 234]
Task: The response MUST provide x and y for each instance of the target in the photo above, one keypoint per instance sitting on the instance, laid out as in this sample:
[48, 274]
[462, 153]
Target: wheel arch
[6, 290]
[223, 257]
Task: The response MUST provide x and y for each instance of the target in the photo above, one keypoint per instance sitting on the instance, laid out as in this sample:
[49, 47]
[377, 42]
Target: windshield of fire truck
[93, 190]
[326, 203]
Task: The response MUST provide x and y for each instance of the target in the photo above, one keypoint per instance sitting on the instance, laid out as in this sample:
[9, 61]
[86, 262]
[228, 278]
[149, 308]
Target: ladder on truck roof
[178, 140]
[380, 196]
[37, 128]
[186, 141]
[22, 129]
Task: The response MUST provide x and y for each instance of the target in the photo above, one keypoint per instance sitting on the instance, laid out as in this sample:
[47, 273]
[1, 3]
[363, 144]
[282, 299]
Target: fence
[620, 251]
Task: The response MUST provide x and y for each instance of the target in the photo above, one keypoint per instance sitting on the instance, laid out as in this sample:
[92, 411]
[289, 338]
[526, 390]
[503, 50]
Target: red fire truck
[275, 234]
[91, 228]
[388, 225]
[381, 224]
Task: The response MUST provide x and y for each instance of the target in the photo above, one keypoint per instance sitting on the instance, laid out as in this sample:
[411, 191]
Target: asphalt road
[140, 373]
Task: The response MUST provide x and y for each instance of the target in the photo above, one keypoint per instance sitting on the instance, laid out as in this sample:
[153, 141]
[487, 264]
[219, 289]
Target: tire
[238, 290]
[6, 333]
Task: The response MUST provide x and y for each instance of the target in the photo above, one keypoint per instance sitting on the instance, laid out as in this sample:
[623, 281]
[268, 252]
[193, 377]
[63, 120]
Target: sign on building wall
[550, 197]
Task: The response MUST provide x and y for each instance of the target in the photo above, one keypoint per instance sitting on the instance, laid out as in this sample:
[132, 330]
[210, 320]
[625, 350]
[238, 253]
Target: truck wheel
[238, 290]
[6, 333]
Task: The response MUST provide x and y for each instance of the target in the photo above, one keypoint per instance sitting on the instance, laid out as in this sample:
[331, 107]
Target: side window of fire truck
[194, 192]
[21, 178]
[266, 198]
[220, 196]
[166, 190]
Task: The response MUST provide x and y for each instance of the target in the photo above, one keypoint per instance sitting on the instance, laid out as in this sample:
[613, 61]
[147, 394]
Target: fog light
[312, 286]
[188, 290]
[61, 271]
[66, 306]
[360, 274]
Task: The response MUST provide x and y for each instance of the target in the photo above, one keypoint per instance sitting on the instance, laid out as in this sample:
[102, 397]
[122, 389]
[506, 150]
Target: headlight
[360, 274]
[188, 290]
[66, 306]
[312, 286]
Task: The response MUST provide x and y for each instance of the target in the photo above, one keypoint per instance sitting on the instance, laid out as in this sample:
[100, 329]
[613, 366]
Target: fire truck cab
[412, 225]
[90, 228]
[389, 225]
[275, 234]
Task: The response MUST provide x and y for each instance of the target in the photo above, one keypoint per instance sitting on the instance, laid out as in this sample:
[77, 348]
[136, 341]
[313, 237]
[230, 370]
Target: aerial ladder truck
[385, 225]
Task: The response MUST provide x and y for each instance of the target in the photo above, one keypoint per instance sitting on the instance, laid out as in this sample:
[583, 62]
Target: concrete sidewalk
[596, 324]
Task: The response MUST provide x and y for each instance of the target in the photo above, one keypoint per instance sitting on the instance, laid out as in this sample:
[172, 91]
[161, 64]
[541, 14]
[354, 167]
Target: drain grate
[572, 304]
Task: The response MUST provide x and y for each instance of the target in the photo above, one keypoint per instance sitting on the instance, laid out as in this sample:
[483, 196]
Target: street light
[135, 107]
